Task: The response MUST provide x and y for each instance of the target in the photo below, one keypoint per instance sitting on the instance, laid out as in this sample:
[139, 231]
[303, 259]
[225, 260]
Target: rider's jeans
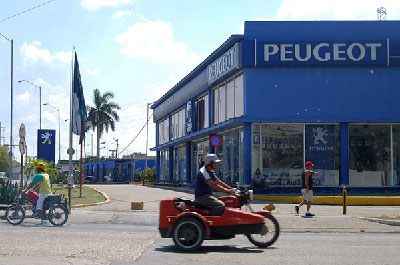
[212, 203]
[39, 204]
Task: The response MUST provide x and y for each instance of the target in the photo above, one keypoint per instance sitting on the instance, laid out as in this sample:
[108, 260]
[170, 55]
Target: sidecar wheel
[269, 234]
[15, 214]
[188, 234]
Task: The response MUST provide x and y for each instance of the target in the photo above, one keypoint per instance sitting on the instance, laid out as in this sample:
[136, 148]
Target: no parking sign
[216, 140]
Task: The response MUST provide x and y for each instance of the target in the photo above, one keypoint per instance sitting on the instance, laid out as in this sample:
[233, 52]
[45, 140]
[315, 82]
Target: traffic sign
[22, 146]
[71, 150]
[22, 132]
[216, 140]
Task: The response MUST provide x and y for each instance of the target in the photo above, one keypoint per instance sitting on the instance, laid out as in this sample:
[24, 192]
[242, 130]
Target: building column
[211, 147]
[158, 166]
[247, 153]
[171, 164]
[344, 154]
[188, 162]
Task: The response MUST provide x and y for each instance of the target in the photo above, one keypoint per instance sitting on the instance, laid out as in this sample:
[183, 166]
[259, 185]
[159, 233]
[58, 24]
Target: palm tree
[103, 115]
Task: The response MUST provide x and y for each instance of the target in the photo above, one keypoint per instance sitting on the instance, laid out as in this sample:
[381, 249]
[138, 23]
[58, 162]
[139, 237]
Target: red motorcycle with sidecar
[189, 224]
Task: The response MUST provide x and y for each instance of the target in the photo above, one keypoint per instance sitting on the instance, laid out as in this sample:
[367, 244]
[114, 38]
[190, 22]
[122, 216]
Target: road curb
[382, 221]
[105, 195]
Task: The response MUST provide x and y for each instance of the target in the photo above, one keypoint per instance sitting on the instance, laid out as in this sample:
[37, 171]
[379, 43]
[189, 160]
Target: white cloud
[97, 4]
[155, 40]
[336, 10]
[33, 53]
[120, 14]
[92, 71]
[23, 98]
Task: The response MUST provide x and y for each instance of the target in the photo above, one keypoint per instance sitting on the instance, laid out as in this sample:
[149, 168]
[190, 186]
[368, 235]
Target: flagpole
[80, 163]
[70, 149]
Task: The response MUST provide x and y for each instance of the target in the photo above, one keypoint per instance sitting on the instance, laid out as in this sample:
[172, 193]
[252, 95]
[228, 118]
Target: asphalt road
[114, 234]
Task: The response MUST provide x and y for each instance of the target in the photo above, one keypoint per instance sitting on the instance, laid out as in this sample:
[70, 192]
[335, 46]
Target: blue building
[116, 170]
[284, 93]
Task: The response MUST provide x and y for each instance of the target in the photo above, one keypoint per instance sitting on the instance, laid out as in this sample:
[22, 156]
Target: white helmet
[209, 158]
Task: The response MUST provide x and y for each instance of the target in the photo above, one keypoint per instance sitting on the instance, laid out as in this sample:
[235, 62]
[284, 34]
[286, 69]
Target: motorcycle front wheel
[58, 215]
[268, 235]
[15, 214]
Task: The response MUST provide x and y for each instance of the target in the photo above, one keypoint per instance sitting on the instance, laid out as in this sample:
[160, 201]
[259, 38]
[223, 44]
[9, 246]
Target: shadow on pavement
[209, 249]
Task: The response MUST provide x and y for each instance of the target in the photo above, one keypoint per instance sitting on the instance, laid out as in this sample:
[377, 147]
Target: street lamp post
[40, 99]
[59, 130]
[147, 125]
[11, 119]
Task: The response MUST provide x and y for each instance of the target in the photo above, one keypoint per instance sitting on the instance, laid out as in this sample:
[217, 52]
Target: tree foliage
[50, 170]
[4, 159]
[103, 114]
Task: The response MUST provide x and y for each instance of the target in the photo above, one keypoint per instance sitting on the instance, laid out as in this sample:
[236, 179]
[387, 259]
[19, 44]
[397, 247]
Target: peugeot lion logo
[319, 134]
[46, 137]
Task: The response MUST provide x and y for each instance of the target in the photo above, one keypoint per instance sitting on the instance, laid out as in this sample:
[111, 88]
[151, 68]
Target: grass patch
[89, 195]
[395, 218]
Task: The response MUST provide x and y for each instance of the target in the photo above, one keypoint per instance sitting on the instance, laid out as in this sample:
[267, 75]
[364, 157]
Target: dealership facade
[284, 93]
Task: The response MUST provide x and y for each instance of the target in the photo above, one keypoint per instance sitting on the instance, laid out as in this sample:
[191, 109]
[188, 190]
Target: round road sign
[216, 140]
[22, 132]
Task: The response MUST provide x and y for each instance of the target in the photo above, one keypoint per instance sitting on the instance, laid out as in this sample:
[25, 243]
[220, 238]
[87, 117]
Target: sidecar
[189, 225]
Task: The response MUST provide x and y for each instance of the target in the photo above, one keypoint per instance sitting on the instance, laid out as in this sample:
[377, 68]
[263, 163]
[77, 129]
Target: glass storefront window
[202, 118]
[178, 124]
[239, 100]
[228, 100]
[199, 150]
[180, 164]
[369, 155]
[231, 169]
[164, 166]
[282, 154]
[395, 180]
[163, 131]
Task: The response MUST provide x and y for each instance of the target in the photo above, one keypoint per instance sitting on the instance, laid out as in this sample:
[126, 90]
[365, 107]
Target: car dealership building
[284, 93]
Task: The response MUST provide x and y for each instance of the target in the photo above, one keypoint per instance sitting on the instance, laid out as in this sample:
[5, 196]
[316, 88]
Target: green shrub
[8, 191]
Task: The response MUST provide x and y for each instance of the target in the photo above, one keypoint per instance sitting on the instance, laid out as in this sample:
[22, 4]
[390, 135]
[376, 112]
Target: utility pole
[147, 125]
[1, 135]
[117, 147]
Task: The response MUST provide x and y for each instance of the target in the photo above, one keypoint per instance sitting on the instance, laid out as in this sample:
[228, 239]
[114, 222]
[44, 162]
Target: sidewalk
[329, 218]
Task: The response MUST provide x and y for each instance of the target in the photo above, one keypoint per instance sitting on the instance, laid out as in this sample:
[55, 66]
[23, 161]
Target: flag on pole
[78, 102]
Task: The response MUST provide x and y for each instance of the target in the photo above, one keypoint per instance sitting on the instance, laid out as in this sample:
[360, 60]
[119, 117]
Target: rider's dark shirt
[202, 188]
[303, 181]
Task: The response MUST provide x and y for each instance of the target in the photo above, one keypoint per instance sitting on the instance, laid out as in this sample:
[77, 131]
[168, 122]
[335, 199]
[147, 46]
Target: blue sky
[137, 49]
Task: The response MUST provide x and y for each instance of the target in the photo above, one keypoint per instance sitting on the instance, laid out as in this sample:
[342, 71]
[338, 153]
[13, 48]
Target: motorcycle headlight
[251, 195]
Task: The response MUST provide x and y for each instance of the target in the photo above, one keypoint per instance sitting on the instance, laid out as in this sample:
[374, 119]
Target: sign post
[22, 150]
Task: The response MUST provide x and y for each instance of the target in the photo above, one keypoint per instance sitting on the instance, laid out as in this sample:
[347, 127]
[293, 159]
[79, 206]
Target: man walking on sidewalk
[306, 188]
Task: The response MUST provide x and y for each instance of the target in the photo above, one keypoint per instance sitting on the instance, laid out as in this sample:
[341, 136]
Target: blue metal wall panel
[323, 94]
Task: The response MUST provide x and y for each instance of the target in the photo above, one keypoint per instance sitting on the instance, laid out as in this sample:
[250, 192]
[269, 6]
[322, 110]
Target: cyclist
[42, 180]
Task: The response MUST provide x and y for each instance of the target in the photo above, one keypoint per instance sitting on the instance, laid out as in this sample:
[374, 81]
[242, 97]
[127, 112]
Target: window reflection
[369, 155]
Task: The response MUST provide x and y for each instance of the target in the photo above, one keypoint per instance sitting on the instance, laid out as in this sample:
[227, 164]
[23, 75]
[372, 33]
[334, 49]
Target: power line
[27, 10]
[123, 150]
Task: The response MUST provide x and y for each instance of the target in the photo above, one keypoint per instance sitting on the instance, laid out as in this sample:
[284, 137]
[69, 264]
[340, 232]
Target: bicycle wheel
[15, 214]
[57, 215]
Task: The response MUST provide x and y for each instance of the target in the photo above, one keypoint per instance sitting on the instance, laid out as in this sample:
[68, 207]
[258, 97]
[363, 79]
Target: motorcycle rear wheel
[58, 215]
[15, 214]
[269, 234]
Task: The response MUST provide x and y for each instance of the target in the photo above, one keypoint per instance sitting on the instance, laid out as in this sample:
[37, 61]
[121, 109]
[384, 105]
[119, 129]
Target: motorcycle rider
[206, 181]
[42, 180]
